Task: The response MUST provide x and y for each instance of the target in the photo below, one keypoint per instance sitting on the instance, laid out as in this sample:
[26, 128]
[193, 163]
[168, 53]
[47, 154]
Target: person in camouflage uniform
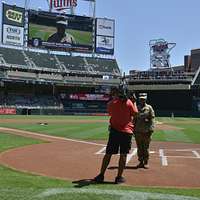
[144, 127]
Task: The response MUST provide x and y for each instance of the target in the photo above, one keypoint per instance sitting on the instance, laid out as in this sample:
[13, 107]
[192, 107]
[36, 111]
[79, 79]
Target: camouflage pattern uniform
[144, 126]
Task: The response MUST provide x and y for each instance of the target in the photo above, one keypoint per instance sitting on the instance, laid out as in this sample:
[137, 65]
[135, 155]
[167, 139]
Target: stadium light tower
[92, 6]
[160, 53]
[26, 4]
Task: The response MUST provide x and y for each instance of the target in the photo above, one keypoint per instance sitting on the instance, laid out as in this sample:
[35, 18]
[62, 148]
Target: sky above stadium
[137, 22]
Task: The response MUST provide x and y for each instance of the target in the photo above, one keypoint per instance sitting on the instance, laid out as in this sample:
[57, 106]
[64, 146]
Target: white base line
[182, 157]
[101, 151]
[129, 156]
[188, 149]
[163, 157]
[182, 149]
[196, 154]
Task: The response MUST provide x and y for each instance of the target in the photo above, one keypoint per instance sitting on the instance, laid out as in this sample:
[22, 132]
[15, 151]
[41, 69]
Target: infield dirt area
[171, 164]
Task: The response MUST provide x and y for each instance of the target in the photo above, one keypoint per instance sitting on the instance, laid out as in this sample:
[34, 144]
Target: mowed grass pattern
[78, 127]
[95, 128]
[188, 130]
[12, 141]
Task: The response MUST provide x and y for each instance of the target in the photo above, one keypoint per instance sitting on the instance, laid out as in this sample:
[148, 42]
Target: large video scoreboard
[77, 35]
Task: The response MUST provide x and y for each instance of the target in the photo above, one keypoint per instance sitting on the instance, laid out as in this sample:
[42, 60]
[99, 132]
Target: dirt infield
[171, 164]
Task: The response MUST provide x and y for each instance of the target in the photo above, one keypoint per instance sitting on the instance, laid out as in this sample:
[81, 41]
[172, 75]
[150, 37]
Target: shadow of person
[113, 167]
[87, 182]
[127, 167]
[132, 167]
[83, 183]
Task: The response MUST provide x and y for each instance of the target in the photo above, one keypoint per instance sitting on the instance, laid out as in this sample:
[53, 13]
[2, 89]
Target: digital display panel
[60, 32]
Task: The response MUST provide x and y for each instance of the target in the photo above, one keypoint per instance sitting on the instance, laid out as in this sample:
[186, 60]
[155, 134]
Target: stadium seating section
[22, 101]
[43, 60]
[13, 56]
[72, 63]
[103, 65]
[48, 75]
[62, 63]
[160, 76]
[31, 101]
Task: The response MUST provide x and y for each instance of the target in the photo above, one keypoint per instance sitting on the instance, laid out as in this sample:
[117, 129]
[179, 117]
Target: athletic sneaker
[146, 165]
[99, 178]
[120, 179]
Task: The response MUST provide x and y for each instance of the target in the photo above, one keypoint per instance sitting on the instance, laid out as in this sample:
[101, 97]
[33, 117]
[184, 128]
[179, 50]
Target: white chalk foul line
[129, 156]
[196, 154]
[101, 151]
[163, 157]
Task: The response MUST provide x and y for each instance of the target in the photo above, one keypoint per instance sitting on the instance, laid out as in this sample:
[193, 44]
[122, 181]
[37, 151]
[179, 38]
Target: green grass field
[20, 186]
[188, 128]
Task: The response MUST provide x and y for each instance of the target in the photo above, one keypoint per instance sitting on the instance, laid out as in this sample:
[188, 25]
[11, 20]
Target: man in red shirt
[121, 111]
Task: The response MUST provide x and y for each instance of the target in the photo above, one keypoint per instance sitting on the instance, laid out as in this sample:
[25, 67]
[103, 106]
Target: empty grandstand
[31, 60]
[171, 90]
[28, 71]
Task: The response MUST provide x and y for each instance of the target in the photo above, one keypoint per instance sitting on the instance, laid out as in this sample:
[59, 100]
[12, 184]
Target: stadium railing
[19, 74]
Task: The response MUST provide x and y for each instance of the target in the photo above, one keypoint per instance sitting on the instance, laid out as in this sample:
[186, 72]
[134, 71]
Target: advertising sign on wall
[59, 5]
[105, 27]
[104, 45]
[7, 111]
[13, 35]
[88, 97]
[13, 25]
[105, 31]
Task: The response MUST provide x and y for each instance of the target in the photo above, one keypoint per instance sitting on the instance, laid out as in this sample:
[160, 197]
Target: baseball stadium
[53, 110]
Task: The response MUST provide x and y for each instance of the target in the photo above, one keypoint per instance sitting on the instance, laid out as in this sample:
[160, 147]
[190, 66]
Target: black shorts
[118, 140]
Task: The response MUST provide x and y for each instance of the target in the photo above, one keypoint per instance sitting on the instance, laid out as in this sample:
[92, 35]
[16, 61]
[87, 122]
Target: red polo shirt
[121, 112]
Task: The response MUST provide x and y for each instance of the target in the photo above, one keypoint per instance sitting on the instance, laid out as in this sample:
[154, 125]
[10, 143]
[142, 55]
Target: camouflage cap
[143, 96]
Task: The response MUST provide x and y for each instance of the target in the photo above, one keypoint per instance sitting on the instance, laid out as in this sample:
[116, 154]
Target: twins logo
[62, 4]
